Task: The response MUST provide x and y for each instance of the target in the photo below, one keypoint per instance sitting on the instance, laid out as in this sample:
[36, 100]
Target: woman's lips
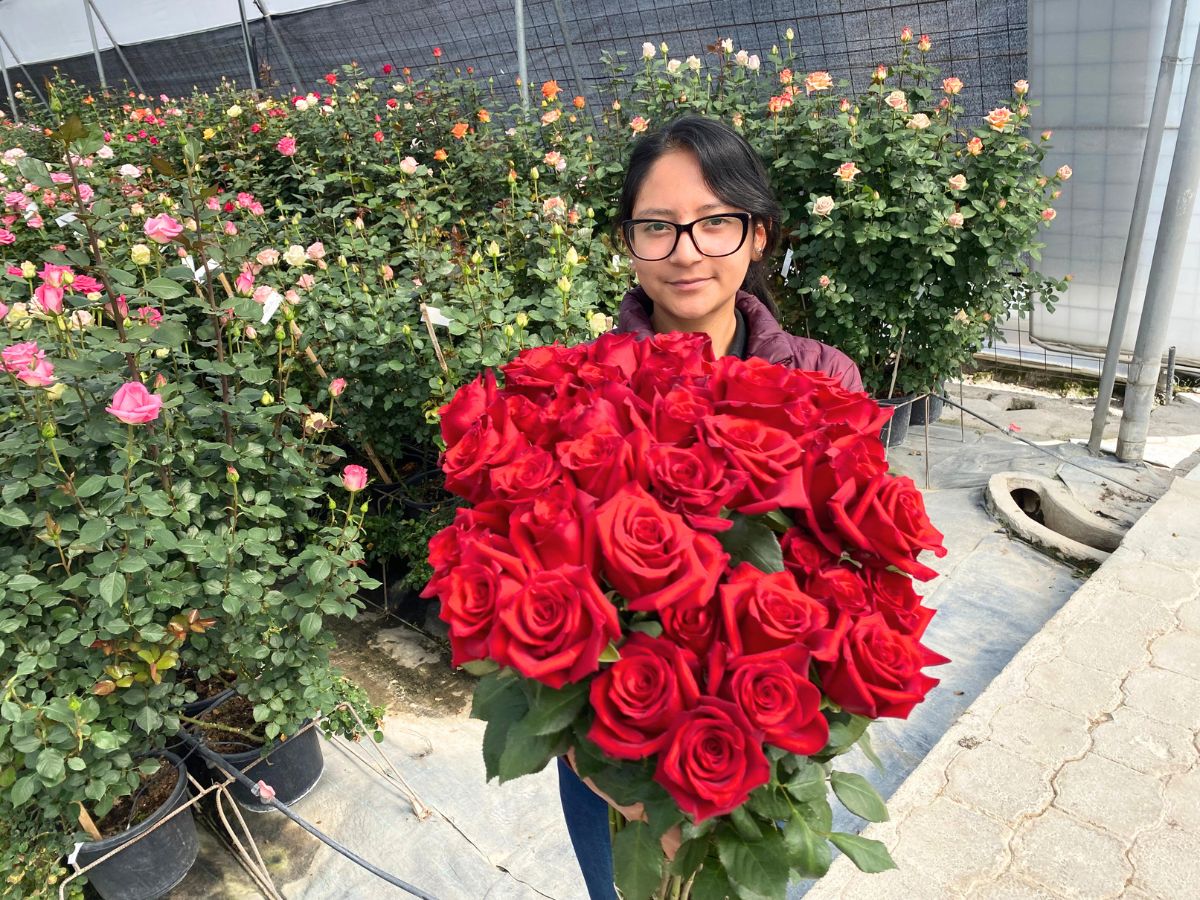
[690, 284]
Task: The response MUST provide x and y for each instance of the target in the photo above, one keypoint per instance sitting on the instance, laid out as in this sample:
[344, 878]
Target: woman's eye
[657, 227]
[717, 222]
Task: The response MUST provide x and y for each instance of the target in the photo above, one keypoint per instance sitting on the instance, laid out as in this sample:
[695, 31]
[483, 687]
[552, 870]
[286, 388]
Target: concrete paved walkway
[1077, 772]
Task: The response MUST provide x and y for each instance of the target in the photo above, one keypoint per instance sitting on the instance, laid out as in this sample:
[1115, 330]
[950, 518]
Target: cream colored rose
[295, 255]
[823, 206]
[1064, 172]
[958, 182]
[896, 100]
[918, 122]
[955, 220]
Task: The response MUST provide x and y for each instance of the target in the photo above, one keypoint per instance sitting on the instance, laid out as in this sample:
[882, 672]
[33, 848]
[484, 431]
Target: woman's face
[690, 291]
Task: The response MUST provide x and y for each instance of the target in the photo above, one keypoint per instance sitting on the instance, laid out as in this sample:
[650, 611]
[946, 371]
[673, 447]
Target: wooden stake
[87, 824]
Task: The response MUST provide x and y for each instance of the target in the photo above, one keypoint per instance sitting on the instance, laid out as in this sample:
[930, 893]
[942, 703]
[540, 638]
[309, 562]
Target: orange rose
[999, 118]
[817, 81]
[975, 146]
[483, 115]
[440, 155]
[847, 170]
[460, 130]
[579, 102]
[785, 76]
[550, 89]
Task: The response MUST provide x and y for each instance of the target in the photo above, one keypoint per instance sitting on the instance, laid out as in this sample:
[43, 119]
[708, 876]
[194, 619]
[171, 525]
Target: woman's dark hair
[732, 171]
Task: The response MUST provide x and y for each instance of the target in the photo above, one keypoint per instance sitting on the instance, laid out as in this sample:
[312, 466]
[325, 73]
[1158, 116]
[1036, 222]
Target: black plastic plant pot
[936, 406]
[152, 866]
[895, 429]
[193, 709]
[292, 769]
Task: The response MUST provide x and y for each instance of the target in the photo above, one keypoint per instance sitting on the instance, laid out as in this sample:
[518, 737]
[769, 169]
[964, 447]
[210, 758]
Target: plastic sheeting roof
[41, 30]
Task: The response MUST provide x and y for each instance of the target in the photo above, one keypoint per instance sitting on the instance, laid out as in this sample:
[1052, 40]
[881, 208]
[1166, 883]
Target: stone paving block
[1104, 793]
[1144, 744]
[1039, 731]
[952, 844]
[1165, 695]
[1010, 887]
[1182, 800]
[1167, 862]
[1178, 651]
[996, 781]
[1073, 687]
[1189, 615]
[895, 884]
[1071, 859]
[1102, 647]
[1162, 583]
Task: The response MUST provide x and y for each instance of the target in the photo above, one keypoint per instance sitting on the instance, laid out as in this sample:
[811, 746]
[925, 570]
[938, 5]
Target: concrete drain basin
[1042, 512]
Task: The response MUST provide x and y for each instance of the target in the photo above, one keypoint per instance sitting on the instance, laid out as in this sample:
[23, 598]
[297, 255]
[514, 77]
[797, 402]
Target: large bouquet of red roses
[695, 574]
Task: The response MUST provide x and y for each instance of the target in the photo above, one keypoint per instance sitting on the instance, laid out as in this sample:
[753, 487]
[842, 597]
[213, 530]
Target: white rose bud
[648, 51]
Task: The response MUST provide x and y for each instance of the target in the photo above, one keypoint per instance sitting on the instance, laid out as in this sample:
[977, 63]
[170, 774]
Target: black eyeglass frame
[680, 230]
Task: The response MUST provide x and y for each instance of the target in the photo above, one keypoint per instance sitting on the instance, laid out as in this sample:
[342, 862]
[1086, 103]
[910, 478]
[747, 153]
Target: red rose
[470, 595]
[837, 406]
[555, 529]
[756, 389]
[693, 627]
[693, 482]
[673, 357]
[555, 627]
[492, 441]
[713, 760]
[601, 462]
[488, 520]
[676, 414]
[652, 558]
[531, 472]
[764, 612]
[467, 406]
[895, 598]
[842, 590]
[801, 555]
[877, 671]
[887, 519]
[775, 693]
[539, 370]
[619, 356]
[639, 697]
[764, 453]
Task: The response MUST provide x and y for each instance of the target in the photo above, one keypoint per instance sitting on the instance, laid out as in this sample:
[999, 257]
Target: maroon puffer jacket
[766, 339]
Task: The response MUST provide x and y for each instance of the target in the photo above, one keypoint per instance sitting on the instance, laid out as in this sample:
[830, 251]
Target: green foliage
[32, 863]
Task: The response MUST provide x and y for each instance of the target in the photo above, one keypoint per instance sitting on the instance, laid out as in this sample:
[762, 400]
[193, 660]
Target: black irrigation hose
[242, 779]
[1048, 452]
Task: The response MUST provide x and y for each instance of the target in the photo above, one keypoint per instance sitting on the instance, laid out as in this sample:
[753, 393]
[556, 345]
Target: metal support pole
[522, 62]
[572, 56]
[12, 101]
[246, 45]
[32, 83]
[117, 47]
[287, 57]
[1164, 274]
[1170, 390]
[87, 11]
[1137, 222]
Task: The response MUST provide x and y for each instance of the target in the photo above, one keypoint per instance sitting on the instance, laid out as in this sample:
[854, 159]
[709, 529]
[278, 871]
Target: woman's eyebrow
[659, 211]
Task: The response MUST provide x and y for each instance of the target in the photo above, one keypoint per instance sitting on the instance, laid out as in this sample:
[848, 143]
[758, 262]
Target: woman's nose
[686, 250]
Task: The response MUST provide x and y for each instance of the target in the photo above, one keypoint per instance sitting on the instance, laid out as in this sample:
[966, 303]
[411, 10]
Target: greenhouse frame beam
[12, 101]
[1137, 221]
[522, 61]
[87, 11]
[572, 53]
[1169, 250]
[116, 46]
[246, 46]
[287, 57]
[21, 66]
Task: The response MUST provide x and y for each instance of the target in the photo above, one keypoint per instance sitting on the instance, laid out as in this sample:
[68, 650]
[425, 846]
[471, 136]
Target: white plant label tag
[787, 263]
[65, 219]
[436, 316]
[271, 306]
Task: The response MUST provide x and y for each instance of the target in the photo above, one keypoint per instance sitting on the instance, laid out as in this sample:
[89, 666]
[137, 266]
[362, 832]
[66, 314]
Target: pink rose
[287, 146]
[3, 310]
[354, 478]
[22, 356]
[41, 374]
[305, 282]
[230, 229]
[262, 293]
[244, 283]
[162, 229]
[48, 298]
[134, 405]
[897, 101]
[267, 257]
[408, 165]
[315, 251]
[955, 220]
[336, 387]
[1048, 215]
[7, 237]
[150, 316]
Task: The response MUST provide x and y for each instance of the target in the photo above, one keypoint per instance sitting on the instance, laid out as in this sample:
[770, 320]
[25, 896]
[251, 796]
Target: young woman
[699, 222]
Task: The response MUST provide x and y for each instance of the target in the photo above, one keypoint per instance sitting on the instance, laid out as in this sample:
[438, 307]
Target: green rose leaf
[711, 883]
[51, 765]
[808, 852]
[758, 869]
[525, 752]
[637, 861]
[318, 570]
[310, 625]
[751, 540]
[165, 288]
[550, 710]
[14, 516]
[858, 796]
[870, 856]
[112, 587]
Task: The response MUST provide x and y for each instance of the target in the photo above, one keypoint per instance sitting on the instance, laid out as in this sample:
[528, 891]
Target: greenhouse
[580, 450]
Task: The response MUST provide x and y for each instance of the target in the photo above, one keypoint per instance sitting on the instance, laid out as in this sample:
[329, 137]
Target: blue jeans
[587, 823]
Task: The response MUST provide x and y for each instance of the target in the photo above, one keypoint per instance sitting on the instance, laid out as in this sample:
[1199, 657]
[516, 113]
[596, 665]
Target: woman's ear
[758, 237]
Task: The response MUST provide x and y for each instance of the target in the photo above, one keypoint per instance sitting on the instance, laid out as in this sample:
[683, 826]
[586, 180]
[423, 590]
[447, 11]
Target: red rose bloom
[467, 406]
[531, 472]
[539, 370]
[470, 596]
[652, 558]
[693, 627]
[555, 627]
[713, 759]
[676, 415]
[492, 441]
[555, 529]
[638, 699]
[896, 600]
[877, 670]
[764, 612]
[887, 519]
[600, 462]
[775, 693]
[693, 483]
[764, 453]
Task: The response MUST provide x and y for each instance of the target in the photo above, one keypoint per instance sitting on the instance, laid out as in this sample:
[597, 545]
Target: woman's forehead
[675, 185]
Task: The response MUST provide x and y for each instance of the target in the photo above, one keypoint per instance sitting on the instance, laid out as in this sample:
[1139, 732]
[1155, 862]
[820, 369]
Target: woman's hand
[670, 841]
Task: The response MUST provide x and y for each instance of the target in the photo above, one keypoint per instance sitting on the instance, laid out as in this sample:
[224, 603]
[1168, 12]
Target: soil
[425, 691]
[236, 712]
[153, 792]
[210, 688]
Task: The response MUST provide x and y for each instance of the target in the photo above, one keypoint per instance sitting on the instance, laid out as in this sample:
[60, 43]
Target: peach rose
[999, 118]
[897, 101]
[1021, 88]
[817, 81]
[918, 122]
[975, 146]
[1048, 214]
[952, 86]
[1063, 172]
[958, 182]
[847, 170]
[955, 220]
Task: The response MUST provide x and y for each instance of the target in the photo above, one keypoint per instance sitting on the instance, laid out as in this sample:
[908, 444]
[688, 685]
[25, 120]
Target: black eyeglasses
[655, 239]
